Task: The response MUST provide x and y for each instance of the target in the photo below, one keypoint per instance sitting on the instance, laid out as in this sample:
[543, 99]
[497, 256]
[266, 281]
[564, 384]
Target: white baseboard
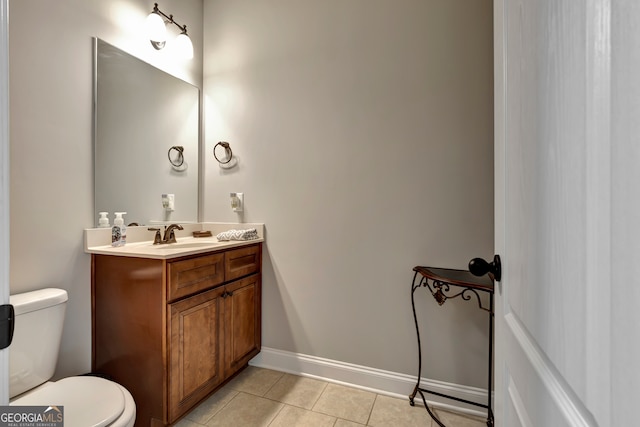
[371, 379]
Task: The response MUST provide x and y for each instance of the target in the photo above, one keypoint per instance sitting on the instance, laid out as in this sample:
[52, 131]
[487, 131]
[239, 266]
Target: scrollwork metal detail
[441, 292]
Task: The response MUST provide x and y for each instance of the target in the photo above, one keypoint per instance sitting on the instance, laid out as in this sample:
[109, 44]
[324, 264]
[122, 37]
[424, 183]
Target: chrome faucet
[169, 234]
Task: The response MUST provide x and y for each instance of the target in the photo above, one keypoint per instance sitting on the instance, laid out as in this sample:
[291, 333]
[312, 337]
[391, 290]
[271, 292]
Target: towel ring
[179, 158]
[227, 150]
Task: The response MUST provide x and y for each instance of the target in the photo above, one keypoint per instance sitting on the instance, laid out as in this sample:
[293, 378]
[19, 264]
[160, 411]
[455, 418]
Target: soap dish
[202, 233]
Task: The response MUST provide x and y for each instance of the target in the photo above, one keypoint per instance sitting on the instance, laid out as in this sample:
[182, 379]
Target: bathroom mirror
[142, 112]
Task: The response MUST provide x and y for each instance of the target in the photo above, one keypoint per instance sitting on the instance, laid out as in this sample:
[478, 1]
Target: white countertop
[140, 241]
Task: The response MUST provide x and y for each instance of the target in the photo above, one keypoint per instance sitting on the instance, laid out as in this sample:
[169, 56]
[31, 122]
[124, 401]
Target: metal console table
[444, 284]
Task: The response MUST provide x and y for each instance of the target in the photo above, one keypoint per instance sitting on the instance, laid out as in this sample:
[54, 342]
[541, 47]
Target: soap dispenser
[119, 230]
[103, 221]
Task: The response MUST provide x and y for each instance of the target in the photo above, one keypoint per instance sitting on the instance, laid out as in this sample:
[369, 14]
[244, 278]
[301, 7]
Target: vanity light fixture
[157, 30]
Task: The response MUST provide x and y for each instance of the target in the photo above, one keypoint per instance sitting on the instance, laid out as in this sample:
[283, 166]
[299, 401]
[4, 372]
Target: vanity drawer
[241, 262]
[193, 275]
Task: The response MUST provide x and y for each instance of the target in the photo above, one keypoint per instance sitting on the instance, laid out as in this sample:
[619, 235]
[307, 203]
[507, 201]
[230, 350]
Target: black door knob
[480, 267]
[7, 323]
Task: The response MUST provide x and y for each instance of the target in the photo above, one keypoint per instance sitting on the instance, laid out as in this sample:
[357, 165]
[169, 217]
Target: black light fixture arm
[169, 18]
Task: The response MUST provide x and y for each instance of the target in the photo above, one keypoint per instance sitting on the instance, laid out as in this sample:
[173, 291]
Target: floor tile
[187, 423]
[255, 381]
[393, 412]
[346, 423]
[246, 410]
[344, 402]
[297, 391]
[459, 420]
[291, 416]
[211, 405]
[262, 397]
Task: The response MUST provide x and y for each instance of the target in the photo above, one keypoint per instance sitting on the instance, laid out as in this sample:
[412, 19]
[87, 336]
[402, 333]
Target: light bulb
[156, 30]
[183, 46]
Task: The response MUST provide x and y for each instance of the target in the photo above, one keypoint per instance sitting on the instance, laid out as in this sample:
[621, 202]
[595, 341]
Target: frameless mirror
[146, 140]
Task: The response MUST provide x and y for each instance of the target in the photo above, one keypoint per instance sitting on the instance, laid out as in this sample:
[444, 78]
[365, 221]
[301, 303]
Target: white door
[4, 187]
[567, 192]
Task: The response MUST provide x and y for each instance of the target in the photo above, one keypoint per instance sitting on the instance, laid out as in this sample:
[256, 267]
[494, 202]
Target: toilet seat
[88, 401]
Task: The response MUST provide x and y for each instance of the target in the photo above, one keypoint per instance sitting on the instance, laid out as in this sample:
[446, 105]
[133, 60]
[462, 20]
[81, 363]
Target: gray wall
[363, 131]
[363, 134]
[51, 142]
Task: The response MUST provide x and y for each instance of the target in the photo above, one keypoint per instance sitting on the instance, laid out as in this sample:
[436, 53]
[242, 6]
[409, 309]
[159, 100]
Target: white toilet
[88, 401]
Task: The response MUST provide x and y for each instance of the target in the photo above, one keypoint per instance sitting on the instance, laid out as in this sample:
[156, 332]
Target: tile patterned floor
[262, 397]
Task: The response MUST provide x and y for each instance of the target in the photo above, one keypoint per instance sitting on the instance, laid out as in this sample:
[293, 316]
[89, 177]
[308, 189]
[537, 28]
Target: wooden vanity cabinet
[172, 331]
[213, 335]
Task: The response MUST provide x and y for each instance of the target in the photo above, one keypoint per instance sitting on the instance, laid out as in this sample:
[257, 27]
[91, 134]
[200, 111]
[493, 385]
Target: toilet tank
[33, 354]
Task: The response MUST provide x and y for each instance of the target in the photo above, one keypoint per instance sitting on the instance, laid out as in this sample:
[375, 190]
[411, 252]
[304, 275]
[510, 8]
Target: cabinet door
[242, 321]
[195, 367]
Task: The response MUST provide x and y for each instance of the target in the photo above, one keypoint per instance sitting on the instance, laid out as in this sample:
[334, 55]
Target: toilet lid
[88, 401]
